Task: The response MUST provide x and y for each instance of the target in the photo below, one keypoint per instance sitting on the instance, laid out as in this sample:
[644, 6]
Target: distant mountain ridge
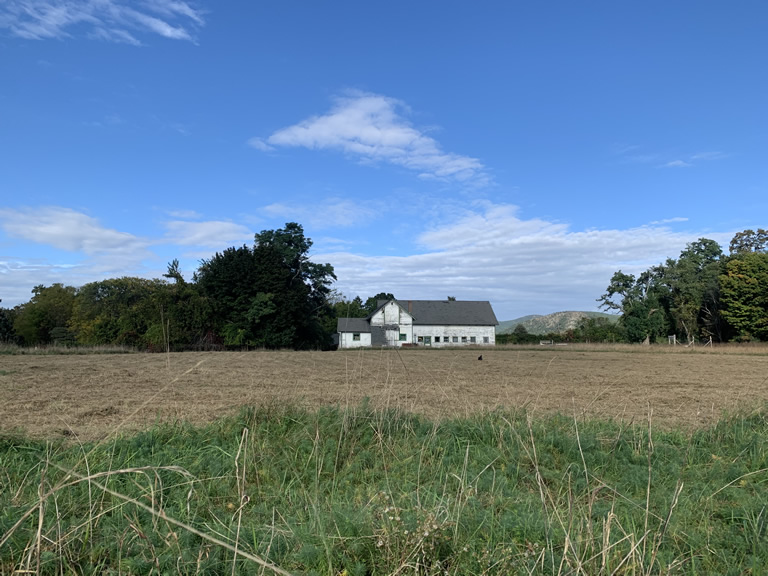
[551, 323]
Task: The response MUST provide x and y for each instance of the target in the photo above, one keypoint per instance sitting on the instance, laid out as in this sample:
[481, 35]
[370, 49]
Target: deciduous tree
[744, 295]
[693, 283]
[749, 241]
[50, 307]
[642, 302]
[116, 311]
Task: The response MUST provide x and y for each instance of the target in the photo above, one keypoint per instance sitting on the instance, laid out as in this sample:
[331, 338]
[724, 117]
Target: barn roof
[456, 312]
[431, 313]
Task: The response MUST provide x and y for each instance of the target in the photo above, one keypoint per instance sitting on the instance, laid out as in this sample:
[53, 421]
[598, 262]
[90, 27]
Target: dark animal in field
[480, 357]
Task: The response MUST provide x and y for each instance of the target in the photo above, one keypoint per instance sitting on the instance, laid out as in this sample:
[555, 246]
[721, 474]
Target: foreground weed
[282, 490]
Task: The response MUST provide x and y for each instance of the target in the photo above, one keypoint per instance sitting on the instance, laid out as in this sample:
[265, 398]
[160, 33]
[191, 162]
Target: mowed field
[93, 396]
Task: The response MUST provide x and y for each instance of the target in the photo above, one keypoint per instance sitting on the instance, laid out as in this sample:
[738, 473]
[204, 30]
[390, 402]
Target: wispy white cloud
[674, 220]
[694, 159]
[334, 244]
[112, 35]
[95, 251]
[708, 156]
[69, 230]
[107, 120]
[633, 154]
[330, 213]
[173, 8]
[111, 20]
[181, 129]
[641, 158]
[374, 128]
[521, 266]
[260, 144]
[18, 277]
[677, 164]
[213, 234]
[185, 214]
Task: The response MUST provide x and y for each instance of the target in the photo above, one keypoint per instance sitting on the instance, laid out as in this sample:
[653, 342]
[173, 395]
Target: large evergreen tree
[7, 332]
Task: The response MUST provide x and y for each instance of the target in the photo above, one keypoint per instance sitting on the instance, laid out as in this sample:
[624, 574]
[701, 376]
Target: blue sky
[517, 152]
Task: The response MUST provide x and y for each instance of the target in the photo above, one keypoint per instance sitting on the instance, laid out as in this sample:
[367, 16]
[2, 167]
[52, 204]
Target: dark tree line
[267, 295]
[704, 294]
[271, 295]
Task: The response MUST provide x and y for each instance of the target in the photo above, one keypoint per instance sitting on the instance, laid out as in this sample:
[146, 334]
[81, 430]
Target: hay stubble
[89, 396]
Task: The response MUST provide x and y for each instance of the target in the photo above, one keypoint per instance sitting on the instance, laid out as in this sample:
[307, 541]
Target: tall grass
[356, 491]
[731, 348]
[7, 349]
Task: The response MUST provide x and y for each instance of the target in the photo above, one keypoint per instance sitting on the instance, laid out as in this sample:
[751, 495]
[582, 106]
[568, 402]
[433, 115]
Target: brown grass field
[93, 396]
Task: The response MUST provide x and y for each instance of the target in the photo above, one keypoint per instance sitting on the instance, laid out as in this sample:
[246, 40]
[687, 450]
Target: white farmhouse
[435, 323]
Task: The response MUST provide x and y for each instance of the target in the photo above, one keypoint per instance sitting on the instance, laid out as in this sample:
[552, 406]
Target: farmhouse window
[421, 338]
[437, 338]
[464, 339]
[402, 337]
[473, 339]
[455, 338]
[486, 340]
[356, 336]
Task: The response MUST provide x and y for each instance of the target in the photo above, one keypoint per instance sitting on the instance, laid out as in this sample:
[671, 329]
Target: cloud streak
[95, 251]
[111, 20]
[213, 234]
[69, 230]
[694, 159]
[490, 252]
[521, 266]
[632, 154]
[331, 213]
[374, 129]
[678, 164]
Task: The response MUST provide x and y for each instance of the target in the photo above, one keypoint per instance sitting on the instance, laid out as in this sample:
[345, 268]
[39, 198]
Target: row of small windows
[449, 339]
[436, 340]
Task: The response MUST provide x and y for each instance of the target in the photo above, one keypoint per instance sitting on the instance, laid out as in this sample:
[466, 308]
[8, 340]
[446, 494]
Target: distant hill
[556, 322]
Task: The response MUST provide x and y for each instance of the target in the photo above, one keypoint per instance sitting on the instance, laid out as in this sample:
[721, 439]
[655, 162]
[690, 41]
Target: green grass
[361, 492]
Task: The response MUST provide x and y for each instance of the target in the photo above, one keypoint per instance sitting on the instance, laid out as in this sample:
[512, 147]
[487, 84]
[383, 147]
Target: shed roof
[353, 325]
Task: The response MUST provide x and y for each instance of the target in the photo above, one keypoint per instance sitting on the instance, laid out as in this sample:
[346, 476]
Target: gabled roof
[456, 312]
[430, 313]
[381, 303]
[353, 325]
